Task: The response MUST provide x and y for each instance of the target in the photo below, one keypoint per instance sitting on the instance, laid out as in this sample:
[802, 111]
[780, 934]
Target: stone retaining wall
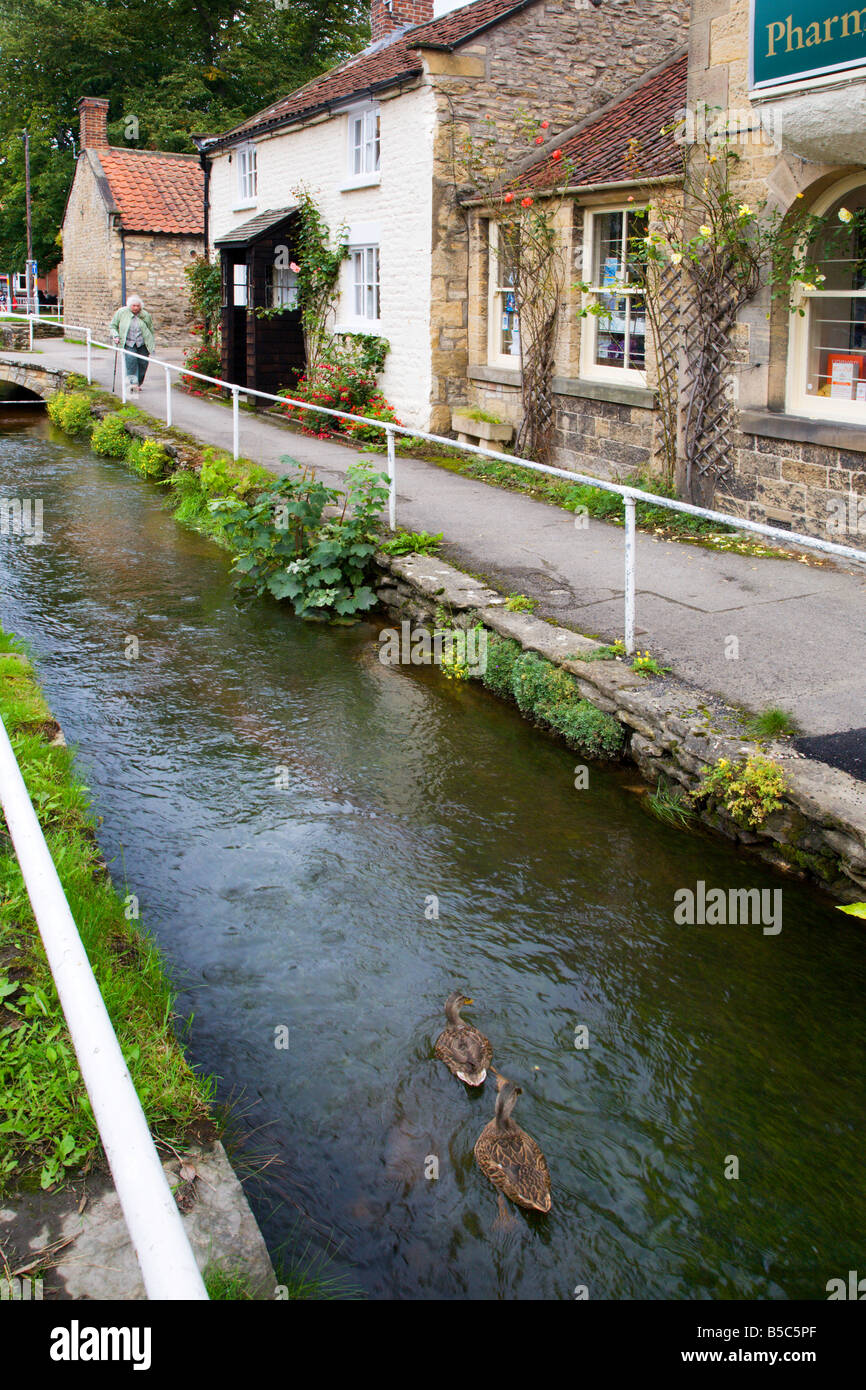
[673, 731]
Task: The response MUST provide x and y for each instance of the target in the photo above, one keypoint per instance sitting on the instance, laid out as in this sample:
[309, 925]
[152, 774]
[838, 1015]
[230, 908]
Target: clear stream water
[304, 906]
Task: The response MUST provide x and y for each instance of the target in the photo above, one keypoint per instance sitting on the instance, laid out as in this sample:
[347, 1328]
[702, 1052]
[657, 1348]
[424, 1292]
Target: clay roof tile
[628, 141]
[155, 191]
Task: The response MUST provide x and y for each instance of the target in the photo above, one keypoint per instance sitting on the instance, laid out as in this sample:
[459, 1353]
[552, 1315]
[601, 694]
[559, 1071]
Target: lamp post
[29, 266]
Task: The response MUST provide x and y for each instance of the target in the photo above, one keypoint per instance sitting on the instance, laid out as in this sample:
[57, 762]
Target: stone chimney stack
[93, 116]
[388, 15]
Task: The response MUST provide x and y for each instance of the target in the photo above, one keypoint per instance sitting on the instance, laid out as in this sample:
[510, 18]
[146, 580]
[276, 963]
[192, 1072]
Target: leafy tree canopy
[179, 67]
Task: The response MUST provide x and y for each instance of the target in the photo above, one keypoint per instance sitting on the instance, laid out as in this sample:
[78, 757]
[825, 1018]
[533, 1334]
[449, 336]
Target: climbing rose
[845, 215]
[539, 139]
[509, 198]
[526, 202]
[293, 267]
[544, 125]
[557, 154]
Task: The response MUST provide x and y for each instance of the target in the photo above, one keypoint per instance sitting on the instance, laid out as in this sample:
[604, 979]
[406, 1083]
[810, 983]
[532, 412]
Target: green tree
[180, 67]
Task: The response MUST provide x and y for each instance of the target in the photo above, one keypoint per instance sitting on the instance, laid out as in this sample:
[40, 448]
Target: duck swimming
[510, 1157]
[464, 1050]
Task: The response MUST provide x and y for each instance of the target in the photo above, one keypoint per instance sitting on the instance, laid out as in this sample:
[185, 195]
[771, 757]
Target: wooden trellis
[708, 315]
[535, 436]
[663, 295]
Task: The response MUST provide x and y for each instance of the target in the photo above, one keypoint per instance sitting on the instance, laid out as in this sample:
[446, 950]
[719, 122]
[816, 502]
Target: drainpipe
[205, 164]
[122, 267]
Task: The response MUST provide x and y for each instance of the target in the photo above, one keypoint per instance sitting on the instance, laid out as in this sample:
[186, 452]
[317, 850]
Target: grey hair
[134, 299]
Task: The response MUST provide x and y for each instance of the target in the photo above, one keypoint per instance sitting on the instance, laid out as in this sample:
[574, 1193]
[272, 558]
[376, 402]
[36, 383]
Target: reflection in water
[284, 806]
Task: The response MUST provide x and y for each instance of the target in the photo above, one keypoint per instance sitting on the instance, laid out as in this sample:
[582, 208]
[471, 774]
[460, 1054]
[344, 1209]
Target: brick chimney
[93, 116]
[388, 15]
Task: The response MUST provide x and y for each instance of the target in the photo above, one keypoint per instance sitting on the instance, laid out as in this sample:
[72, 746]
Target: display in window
[835, 336]
[617, 331]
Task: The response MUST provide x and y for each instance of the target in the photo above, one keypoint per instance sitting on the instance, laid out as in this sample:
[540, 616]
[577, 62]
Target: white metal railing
[164, 1254]
[630, 495]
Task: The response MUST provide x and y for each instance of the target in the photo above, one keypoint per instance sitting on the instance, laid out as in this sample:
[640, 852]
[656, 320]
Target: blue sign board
[793, 39]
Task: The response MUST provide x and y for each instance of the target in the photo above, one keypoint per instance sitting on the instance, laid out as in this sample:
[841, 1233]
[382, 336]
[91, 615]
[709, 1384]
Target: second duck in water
[464, 1050]
[510, 1157]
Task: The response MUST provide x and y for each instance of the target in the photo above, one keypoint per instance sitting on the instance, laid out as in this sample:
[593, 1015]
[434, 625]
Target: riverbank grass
[47, 1130]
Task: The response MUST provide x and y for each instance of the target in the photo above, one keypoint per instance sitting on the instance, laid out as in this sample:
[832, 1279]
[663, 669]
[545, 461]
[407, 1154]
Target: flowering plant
[204, 358]
[340, 381]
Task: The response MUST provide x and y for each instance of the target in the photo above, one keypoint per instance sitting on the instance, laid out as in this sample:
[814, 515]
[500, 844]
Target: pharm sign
[793, 39]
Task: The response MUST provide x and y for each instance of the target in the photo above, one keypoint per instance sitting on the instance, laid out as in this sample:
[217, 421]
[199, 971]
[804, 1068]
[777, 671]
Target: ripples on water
[304, 905]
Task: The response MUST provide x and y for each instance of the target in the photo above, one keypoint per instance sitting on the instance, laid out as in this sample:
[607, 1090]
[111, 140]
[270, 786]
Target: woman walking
[132, 329]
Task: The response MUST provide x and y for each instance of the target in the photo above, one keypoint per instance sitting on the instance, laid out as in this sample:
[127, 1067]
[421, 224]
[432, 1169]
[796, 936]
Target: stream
[292, 815]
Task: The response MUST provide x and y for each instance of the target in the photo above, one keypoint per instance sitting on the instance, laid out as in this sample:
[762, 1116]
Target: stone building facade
[619, 161]
[134, 220]
[420, 88]
[799, 386]
[517, 69]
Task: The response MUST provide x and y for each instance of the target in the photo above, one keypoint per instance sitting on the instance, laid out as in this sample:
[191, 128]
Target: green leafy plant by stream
[292, 537]
[286, 546]
[550, 696]
[749, 790]
[46, 1125]
[70, 411]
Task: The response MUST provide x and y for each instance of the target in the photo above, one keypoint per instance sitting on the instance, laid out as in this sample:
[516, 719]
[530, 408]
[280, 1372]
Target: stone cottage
[618, 160]
[374, 141]
[134, 220]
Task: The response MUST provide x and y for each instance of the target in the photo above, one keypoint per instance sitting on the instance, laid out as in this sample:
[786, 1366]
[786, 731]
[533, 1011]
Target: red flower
[557, 154]
[526, 202]
[509, 198]
[544, 125]
[539, 139]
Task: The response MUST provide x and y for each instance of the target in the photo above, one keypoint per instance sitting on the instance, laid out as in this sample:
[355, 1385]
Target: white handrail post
[629, 573]
[168, 1265]
[392, 481]
[168, 395]
[236, 422]
[122, 360]
[89, 359]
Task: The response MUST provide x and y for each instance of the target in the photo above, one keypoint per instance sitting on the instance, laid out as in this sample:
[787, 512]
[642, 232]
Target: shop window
[827, 351]
[613, 334]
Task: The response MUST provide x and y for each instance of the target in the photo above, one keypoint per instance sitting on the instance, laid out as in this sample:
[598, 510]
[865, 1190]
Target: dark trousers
[135, 367]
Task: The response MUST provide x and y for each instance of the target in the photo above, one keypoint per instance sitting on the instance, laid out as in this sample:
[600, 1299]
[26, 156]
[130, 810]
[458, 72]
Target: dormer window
[364, 145]
[247, 176]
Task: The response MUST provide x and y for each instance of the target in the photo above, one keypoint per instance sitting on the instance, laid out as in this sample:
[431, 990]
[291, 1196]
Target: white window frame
[363, 147]
[495, 293]
[799, 401]
[247, 176]
[282, 288]
[240, 282]
[589, 368]
[364, 258]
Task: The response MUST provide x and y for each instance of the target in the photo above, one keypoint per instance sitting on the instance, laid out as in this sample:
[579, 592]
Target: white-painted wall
[398, 208]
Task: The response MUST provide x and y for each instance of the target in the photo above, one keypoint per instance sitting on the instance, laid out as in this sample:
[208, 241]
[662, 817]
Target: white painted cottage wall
[399, 208]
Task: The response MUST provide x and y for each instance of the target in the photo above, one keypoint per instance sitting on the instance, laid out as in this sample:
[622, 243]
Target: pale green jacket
[123, 318]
